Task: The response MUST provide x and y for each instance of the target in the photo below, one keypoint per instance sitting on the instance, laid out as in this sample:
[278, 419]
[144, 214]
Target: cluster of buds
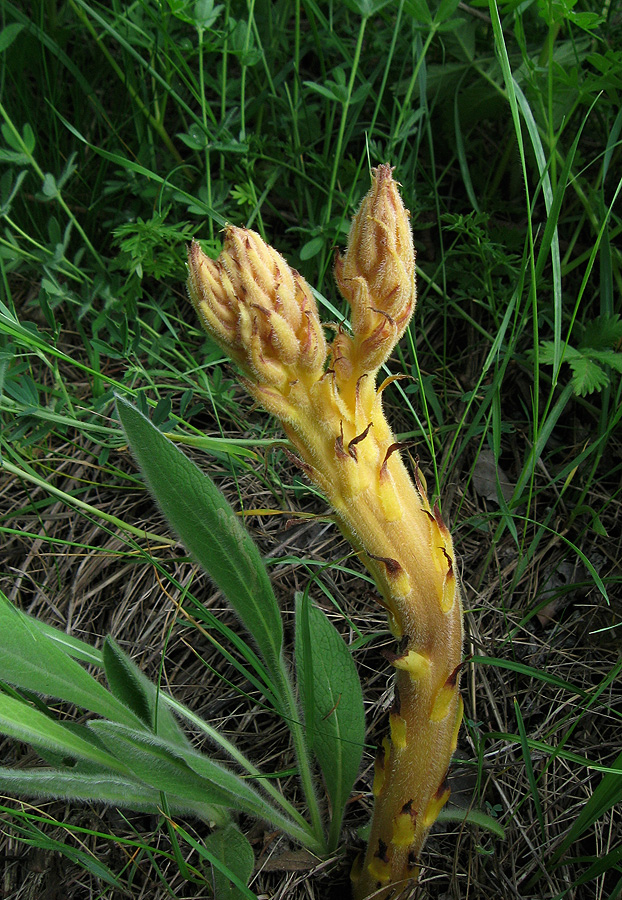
[264, 315]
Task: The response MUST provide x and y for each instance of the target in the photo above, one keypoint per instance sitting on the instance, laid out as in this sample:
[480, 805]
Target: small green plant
[596, 354]
[137, 755]
[132, 751]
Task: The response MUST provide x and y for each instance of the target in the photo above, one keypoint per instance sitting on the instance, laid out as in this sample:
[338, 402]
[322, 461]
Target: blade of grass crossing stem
[209, 528]
[531, 778]
[333, 705]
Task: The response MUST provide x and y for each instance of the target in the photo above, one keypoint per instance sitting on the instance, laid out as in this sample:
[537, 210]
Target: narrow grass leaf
[607, 795]
[35, 837]
[232, 853]
[30, 660]
[333, 704]
[211, 531]
[472, 817]
[523, 669]
[531, 778]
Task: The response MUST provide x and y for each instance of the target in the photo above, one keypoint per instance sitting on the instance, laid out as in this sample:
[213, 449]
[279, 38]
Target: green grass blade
[606, 796]
[204, 851]
[531, 778]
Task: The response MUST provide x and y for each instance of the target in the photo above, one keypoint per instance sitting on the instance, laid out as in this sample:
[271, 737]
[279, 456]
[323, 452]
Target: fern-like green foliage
[598, 352]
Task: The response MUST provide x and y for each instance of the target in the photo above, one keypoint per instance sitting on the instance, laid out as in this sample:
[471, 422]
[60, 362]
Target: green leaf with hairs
[21, 721]
[211, 531]
[186, 774]
[30, 660]
[134, 690]
[332, 700]
[232, 850]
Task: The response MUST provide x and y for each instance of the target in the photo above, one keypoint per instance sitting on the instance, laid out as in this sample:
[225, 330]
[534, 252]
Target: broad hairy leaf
[69, 785]
[232, 850]
[209, 528]
[135, 690]
[332, 700]
[160, 765]
[24, 723]
[30, 660]
[185, 773]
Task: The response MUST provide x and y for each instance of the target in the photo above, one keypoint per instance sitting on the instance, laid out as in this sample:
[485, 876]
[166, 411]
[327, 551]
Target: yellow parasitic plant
[326, 397]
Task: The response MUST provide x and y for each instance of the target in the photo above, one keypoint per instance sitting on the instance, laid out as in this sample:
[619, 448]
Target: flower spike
[263, 314]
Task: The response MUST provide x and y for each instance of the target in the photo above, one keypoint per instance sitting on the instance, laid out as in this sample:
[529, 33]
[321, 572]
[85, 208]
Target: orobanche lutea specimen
[326, 397]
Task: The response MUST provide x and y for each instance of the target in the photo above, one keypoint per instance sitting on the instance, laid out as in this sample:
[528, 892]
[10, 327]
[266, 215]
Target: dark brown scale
[439, 519]
[356, 440]
[393, 567]
[398, 445]
[397, 705]
[300, 463]
[443, 786]
[450, 561]
[381, 852]
[453, 678]
[339, 448]
[381, 312]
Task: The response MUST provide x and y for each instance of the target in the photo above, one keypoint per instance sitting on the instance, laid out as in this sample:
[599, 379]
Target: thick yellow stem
[410, 556]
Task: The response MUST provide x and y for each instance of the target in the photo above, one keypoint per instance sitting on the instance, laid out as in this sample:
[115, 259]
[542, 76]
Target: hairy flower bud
[256, 306]
[377, 273]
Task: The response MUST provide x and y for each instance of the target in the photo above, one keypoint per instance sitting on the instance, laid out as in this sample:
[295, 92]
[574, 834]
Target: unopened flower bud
[377, 273]
[256, 306]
